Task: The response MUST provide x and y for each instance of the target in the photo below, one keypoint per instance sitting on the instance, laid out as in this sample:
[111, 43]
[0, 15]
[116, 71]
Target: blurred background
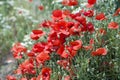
[19, 17]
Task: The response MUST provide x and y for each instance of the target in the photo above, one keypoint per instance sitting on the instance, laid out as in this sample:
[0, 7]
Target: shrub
[82, 45]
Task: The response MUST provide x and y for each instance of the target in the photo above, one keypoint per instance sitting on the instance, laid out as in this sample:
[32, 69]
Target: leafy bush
[77, 43]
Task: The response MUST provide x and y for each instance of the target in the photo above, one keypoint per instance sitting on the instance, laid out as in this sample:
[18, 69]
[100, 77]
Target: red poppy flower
[62, 36]
[75, 30]
[45, 74]
[31, 54]
[42, 57]
[41, 8]
[70, 2]
[73, 16]
[91, 2]
[73, 2]
[46, 24]
[38, 47]
[117, 12]
[53, 38]
[69, 24]
[89, 13]
[99, 52]
[17, 50]
[113, 25]
[72, 52]
[60, 26]
[81, 20]
[9, 77]
[57, 38]
[26, 67]
[100, 16]
[90, 27]
[57, 13]
[62, 52]
[18, 47]
[36, 34]
[76, 45]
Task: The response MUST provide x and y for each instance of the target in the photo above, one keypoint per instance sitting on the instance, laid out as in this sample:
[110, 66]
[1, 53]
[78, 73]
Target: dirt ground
[8, 64]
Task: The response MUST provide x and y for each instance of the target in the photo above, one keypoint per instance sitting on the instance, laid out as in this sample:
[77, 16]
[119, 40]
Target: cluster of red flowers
[63, 25]
[70, 2]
